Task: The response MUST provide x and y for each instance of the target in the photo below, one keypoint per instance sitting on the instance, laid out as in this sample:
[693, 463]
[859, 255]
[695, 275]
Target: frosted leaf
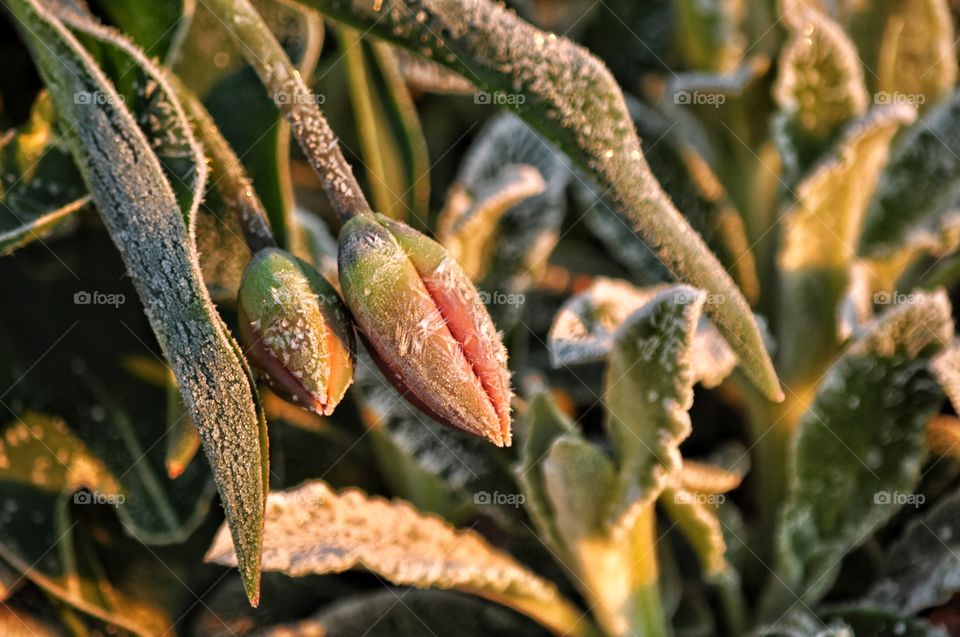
[943, 435]
[853, 460]
[315, 530]
[819, 87]
[154, 235]
[917, 191]
[820, 233]
[696, 518]
[856, 304]
[40, 188]
[648, 389]
[571, 98]
[699, 477]
[424, 75]
[584, 328]
[916, 60]
[946, 368]
[922, 569]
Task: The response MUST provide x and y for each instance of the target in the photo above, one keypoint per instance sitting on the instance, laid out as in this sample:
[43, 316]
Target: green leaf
[42, 463]
[819, 88]
[157, 26]
[391, 139]
[155, 238]
[583, 330]
[696, 517]
[541, 425]
[39, 186]
[501, 53]
[314, 530]
[648, 388]
[820, 235]
[919, 186]
[707, 34]
[922, 569]
[859, 446]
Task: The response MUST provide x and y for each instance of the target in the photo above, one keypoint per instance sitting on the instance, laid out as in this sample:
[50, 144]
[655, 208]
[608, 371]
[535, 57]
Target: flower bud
[426, 326]
[296, 330]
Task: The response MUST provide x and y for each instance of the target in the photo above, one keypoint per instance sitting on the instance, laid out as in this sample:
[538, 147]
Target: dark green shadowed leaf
[39, 186]
[393, 147]
[157, 26]
[155, 238]
[858, 449]
[570, 97]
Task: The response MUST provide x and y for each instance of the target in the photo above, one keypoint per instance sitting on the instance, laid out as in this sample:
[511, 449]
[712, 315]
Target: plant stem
[297, 103]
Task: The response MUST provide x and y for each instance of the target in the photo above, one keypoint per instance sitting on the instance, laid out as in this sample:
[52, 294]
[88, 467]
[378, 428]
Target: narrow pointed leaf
[581, 109]
[696, 518]
[118, 166]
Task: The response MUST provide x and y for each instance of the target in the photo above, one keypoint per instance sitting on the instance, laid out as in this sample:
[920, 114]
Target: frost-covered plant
[715, 238]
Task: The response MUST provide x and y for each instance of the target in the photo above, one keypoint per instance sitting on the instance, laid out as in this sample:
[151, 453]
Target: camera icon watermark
[682, 297]
[884, 98]
[483, 498]
[97, 97]
[893, 298]
[286, 98]
[499, 98]
[84, 297]
[699, 98]
[915, 500]
[95, 497]
[502, 298]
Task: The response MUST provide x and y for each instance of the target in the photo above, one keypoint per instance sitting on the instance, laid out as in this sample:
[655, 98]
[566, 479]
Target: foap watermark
[883, 98]
[900, 499]
[97, 97]
[284, 98]
[708, 499]
[699, 98]
[95, 497]
[84, 297]
[515, 500]
[893, 298]
[682, 297]
[499, 98]
[502, 298]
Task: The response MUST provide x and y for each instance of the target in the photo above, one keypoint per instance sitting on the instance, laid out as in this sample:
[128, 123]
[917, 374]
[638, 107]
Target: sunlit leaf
[696, 518]
[314, 530]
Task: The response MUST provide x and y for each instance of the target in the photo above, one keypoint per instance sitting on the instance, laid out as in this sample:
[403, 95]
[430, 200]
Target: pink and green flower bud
[296, 330]
[426, 326]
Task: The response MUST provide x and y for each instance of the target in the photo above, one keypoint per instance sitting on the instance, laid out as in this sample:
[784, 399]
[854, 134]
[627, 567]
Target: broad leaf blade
[499, 52]
[314, 530]
[157, 245]
[862, 442]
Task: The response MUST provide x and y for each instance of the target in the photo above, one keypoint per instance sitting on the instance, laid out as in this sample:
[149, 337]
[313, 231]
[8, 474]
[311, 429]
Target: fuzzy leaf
[862, 442]
[917, 62]
[391, 139]
[696, 518]
[648, 388]
[314, 530]
[157, 26]
[820, 237]
[579, 479]
[820, 86]
[39, 186]
[919, 186]
[154, 237]
[583, 330]
[570, 97]
[946, 368]
[922, 569]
